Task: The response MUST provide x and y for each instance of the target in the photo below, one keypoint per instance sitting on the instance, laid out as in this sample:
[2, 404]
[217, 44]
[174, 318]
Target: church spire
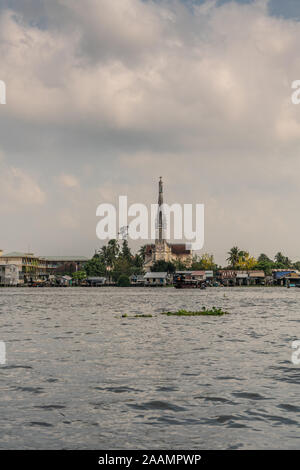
[160, 209]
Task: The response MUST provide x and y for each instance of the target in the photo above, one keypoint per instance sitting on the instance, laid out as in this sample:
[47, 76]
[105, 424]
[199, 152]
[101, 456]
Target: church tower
[160, 210]
[164, 250]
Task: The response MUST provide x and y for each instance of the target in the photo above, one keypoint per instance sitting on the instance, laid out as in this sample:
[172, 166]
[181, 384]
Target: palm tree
[234, 256]
[113, 251]
[142, 251]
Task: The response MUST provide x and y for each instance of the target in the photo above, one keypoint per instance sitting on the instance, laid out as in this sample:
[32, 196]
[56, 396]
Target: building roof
[66, 258]
[155, 275]
[256, 274]
[179, 249]
[18, 254]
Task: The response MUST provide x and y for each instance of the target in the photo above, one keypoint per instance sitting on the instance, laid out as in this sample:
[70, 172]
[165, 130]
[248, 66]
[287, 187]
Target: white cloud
[18, 188]
[126, 90]
[68, 181]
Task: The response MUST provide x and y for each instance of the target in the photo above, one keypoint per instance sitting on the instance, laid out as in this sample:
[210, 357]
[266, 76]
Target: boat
[182, 282]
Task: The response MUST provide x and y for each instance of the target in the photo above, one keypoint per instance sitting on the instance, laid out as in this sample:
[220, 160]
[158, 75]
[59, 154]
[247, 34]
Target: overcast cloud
[103, 97]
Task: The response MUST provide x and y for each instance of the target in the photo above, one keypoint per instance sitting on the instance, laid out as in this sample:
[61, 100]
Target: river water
[79, 376]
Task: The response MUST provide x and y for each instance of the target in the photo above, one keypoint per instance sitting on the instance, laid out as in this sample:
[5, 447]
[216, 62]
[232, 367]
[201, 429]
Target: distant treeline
[116, 261]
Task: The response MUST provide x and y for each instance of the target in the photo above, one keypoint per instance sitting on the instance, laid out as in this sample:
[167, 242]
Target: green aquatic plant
[214, 311]
[137, 316]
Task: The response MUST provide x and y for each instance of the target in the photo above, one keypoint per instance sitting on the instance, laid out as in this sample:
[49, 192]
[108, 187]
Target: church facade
[163, 250]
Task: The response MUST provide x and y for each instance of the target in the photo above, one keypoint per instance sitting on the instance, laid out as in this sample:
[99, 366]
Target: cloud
[68, 181]
[121, 92]
[18, 189]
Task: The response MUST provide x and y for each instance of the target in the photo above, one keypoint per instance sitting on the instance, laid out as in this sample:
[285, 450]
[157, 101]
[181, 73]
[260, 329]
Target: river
[79, 376]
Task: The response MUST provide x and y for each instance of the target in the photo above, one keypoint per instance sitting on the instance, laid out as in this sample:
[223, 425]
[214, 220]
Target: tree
[282, 262]
[95, 266]
[79, 275]
[123, 281]
[142, 252]
[125, 252]
[113, 250]
[246, 262]
[137, 264]
[204, 262]
[265, 263]
[264, 259]
[180, 265]
[122, 266]
[234, 256]
[162, 266]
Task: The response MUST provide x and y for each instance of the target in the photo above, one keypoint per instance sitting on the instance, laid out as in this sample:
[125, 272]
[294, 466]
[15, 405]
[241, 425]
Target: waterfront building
[65, 264]
[193, 275]
[9, 275]
[28, 266]
[231, 277]
[257, 277]
[96, 281]
[137, 279]
[156, 279]
[284, 277]
[163, 250]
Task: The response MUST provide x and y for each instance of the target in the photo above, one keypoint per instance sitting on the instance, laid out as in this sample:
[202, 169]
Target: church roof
[179, 249]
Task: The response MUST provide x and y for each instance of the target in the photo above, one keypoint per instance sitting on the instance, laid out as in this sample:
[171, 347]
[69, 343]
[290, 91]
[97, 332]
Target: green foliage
[79, 275]
[95, 266]
[240, 259]
[185, 313]
[142, 252]
[297, 265]
[137, 316]
[112, 261]
[121, 267]
[234, 256]
[125, 252]
[282, 262]
[163, 266]
[204, 262]
[143, 316]
[123, 281]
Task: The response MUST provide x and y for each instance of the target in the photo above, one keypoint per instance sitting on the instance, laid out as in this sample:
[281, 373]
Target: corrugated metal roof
[155, 275]
[65, 258]
[256, 274]
[18, 254]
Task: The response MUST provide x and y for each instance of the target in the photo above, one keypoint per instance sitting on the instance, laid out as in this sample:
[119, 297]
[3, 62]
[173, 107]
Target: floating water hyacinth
[185, 313]
[136, 316]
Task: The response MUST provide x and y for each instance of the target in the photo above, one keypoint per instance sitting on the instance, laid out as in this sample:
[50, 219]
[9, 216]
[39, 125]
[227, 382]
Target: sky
[103, 97]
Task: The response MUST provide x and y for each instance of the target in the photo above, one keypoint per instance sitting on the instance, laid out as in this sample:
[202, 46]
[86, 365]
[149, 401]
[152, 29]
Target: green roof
[66, 258]
[18, 254]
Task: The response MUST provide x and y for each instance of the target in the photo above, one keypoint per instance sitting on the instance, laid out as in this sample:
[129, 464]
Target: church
[163, 250]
